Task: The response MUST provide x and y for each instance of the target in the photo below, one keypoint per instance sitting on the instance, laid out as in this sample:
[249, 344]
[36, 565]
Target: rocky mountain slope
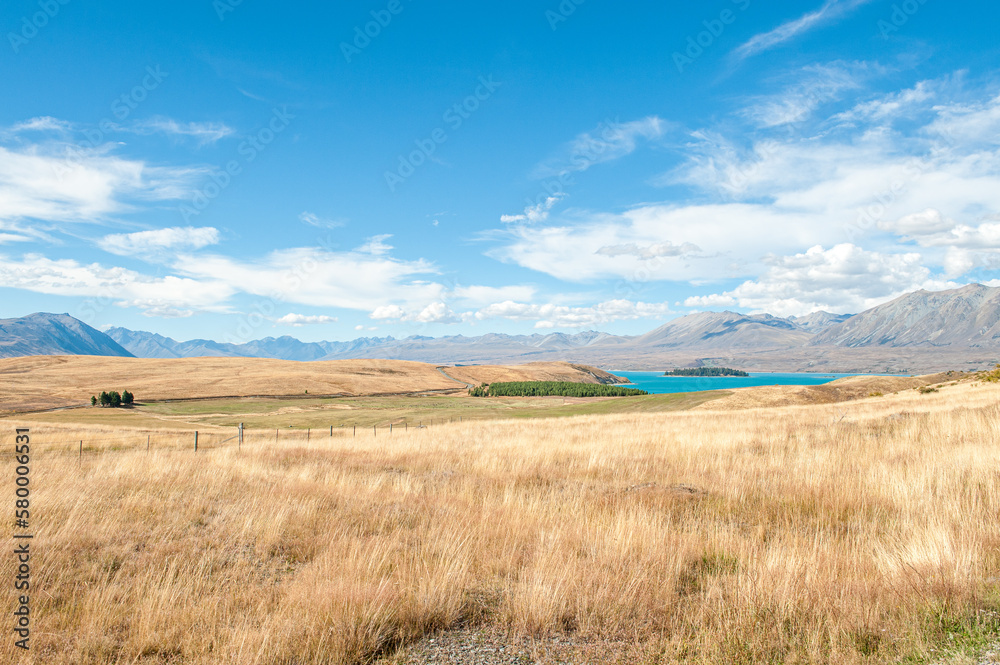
[54, 335]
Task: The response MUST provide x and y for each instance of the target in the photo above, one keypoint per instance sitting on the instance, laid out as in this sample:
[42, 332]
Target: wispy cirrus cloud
[313, 219]
[830, 11]
[609, 141]
[203, 133]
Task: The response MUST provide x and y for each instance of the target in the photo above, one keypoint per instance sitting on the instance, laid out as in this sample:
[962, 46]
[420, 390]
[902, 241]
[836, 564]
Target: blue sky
[235, 170]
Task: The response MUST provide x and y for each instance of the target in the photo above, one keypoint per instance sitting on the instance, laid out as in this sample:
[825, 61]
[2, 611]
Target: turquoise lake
[655, 382]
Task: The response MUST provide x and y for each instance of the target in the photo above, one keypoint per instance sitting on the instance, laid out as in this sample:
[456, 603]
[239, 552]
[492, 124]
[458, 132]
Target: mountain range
[920, 331]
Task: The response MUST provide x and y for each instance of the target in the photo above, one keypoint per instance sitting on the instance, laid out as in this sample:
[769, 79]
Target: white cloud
[317, 278]
[477, 296]
[376, 245]
[202, 132]
[62, 183]
[816, 85]
[831, 9]
[609, 141]
[435, 312]
[299, 320]
[844, 279]
[928, 222]
[171, 239]
[13, 237]
[321, 222]
[388, 312]
[561, 316]
[647, 252]
[42, 124]
[976, 125]
[534, 213]
[891, 106]
[710, 301]
[170, 296]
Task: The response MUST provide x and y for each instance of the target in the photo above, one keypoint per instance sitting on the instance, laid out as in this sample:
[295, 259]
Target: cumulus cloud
[435, 312]
[780, 195]
[171, 239]
[844, 278]
[299, 320]
[710, 301]
[927, 222]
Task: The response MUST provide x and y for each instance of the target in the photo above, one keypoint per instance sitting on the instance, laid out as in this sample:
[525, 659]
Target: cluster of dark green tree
[545, 388]
[706, 371]
[114, 399]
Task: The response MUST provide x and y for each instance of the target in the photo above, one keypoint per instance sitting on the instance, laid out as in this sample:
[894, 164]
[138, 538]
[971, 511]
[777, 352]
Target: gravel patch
[479, 647]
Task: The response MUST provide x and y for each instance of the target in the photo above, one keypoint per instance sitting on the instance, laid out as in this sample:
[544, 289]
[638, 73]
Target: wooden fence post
[331, 431]
[355, 430]
[196, 441]
[147, 443]
[308, 434]
[81, 452]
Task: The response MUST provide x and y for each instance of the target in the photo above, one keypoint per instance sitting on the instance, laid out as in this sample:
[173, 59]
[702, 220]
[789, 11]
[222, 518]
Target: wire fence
[196, 441]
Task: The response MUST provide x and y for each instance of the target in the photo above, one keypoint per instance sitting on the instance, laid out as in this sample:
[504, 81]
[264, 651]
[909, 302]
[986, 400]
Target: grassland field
[855, 523]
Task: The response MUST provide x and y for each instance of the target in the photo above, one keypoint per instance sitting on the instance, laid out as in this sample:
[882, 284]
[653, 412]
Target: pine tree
[116, 399]
[93, 401]
[105, 398]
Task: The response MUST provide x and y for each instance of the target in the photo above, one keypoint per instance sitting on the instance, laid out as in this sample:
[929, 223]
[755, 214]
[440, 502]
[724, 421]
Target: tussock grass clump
[864, 532]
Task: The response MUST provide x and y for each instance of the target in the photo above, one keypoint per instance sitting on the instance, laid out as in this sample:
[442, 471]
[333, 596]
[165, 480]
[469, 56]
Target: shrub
[547, 388]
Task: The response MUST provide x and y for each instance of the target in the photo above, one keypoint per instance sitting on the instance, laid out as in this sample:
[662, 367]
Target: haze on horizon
[395, 168]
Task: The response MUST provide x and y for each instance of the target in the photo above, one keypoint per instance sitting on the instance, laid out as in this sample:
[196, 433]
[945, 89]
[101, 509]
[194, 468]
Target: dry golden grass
[539, 371]
[43, 382]
[864, 532]
[841, 390]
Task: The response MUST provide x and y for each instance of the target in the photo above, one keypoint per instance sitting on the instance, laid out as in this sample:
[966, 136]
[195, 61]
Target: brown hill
[38, 382]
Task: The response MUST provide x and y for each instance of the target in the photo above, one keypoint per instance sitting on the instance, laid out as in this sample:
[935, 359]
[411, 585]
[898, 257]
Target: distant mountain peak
[47, 334]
